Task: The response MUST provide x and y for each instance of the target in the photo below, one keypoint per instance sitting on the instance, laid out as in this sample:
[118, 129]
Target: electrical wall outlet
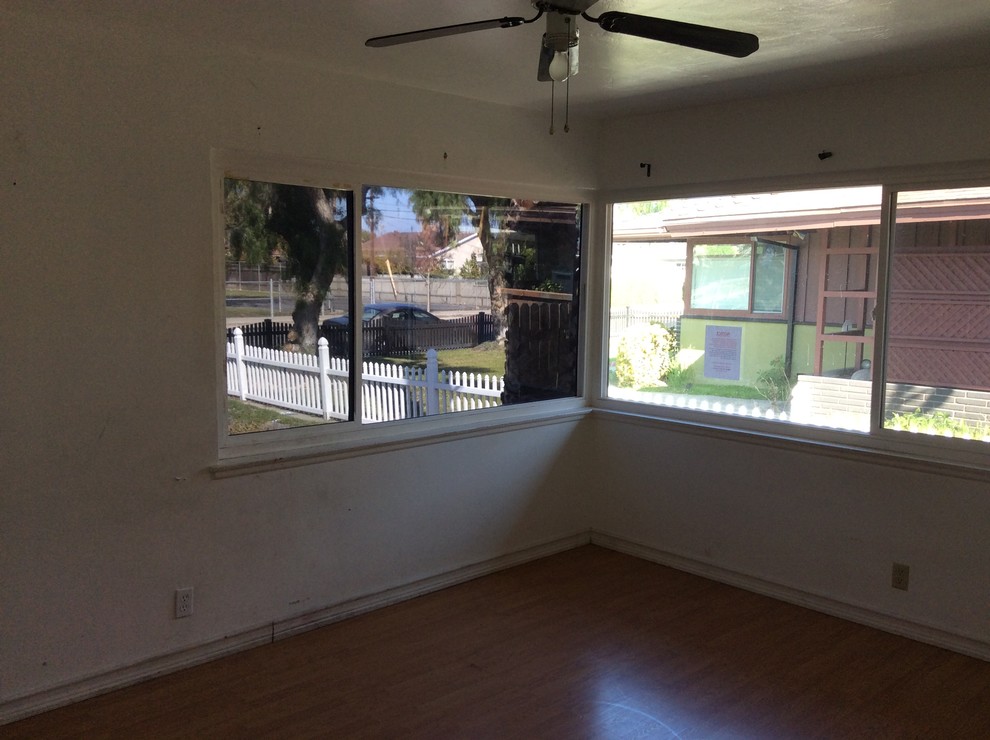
[183, 602]
[899, 576]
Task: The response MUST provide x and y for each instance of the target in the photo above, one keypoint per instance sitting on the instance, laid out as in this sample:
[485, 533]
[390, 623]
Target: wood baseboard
[860, 615]
[35, 703]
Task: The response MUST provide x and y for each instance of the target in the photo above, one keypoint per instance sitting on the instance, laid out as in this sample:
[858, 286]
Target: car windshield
[370, 313]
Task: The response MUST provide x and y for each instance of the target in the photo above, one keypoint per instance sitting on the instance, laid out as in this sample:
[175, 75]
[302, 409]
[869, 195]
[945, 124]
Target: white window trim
[963, 458]
[251, 453]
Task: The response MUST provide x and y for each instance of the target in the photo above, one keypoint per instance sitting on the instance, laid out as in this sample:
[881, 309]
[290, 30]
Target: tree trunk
[306, 318]
[495, 258]
[312, 292]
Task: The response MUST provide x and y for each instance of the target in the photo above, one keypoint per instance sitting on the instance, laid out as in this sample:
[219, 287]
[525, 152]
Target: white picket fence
[317, 384]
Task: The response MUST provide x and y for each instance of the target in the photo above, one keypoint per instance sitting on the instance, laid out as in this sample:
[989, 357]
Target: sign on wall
[723, 350]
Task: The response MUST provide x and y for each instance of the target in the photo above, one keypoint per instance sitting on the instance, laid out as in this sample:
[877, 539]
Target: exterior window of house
[440, 330]
[745, 278]
[720, 276]
[757, 305]
[938, 316]
[769, 276]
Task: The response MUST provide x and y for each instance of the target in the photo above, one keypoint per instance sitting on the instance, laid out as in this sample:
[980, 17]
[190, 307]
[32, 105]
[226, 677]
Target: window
[760, 303]
[441, 331]
[504, 328]
[765, 306]
[938, 316]
[746, 278]
[769, 270]
[292, 242]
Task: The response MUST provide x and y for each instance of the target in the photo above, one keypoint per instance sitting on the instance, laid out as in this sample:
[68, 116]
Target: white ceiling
[803, 43]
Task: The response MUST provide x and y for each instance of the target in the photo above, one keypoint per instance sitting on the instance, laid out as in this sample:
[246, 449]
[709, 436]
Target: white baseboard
[895, 625]
[35, 703]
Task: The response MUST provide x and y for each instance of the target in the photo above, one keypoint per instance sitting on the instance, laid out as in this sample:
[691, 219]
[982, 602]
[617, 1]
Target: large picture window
[465, 302]
[765, 306]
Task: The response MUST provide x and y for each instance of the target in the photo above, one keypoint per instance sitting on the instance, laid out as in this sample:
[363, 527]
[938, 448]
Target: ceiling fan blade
[706, 38]
[438, 32]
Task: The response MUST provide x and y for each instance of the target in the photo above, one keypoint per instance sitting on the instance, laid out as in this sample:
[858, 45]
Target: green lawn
[488, 359]
[249, 417]
[248, 312]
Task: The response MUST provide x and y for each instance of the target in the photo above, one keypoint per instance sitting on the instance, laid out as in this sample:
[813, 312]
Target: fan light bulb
[560, 66]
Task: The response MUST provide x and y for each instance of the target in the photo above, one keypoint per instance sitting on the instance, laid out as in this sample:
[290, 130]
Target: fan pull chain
[552, 83]
[567, 97]
[567, 106]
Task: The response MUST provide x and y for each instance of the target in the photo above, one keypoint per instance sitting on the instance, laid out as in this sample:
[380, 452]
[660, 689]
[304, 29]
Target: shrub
[549, 286]
[937, 423]
[773, 383]
[679, 379]
[643, 359]
[474, 270]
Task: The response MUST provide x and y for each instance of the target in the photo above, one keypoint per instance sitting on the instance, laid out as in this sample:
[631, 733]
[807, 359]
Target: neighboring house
[464, 250]
[801, 276]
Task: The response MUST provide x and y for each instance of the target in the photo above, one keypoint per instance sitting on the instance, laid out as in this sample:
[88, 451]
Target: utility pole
[372, 225]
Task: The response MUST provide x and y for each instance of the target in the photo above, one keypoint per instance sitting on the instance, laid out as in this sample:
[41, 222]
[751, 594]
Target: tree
[474, 269]
[494, 250]
[246, 207]
[445, 212]
[313, 223]
[441, 214]
[306, 226]
[373, 217]
[639, 208]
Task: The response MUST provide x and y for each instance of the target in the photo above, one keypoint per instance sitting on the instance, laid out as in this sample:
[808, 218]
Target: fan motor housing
[561, 33]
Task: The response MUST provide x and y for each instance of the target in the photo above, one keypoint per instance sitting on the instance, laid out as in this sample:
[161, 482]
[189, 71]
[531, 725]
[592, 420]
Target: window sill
[373, 439]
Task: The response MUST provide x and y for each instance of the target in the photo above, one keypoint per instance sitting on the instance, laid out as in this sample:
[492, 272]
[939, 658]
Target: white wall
[108, 383]
[799, 524]
[819, 525]
[908, 121]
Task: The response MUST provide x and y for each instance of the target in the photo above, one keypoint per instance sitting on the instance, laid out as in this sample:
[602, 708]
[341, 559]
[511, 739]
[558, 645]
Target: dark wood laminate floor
[584, 644]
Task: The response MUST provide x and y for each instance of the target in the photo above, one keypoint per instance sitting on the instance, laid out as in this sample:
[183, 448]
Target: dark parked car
[383, 312]
[389, 328]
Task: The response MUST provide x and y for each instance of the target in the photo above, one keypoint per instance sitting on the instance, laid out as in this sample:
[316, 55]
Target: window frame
[960, 457]
[248, 453]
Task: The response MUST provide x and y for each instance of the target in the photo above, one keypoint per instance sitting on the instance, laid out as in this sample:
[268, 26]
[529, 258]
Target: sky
[396, 214]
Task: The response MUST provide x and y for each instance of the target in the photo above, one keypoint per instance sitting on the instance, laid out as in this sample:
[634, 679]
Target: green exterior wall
[762, 341]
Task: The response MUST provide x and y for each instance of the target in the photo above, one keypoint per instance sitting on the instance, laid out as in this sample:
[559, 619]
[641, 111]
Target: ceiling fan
[559, 48]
